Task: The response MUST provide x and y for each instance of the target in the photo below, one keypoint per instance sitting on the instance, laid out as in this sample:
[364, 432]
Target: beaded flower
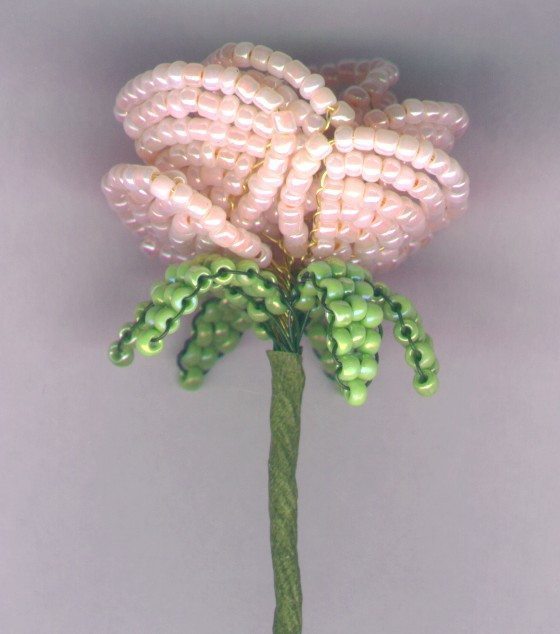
[274, 200]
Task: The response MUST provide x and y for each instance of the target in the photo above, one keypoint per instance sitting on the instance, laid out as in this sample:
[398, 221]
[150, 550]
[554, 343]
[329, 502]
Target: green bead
[141, 308]
[355, 272]
[380, 291]
[198, 277]
[260, 331]
[358, 332]
[368, 368]
[398, 304]
[246, 266]
[212, 310]
[121, 356]
[208, 358]
[222, 267]
[221, 330]
[258, 288]
[270, 277]
[334, 289]
[307, 288]
[356, 393]
[343, 340]
[349, 368]
[342, 312]
[145, 343]
[191, 379]
[320, 270]
[421, 355]
[151, 314]
[157, 293]
[348, 284]
[183, 269]
[184, 300]
[127, 334]
[305, 304]
[338, 266]
[359, 307]
[427, 385]
[329, 363]
[372, 343]
[317, 313]
[191, 355]
[408, 331]
[257, 312]
[275, 305]
[204, 333]
[228, 343]
[364, 290]
[171, 273]
[235, 297]
[374, 315]
[316, 333]
[241, 323]
[162, 319]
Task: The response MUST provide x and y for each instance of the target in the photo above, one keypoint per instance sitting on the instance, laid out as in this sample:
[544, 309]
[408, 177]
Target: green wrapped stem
[288, 380]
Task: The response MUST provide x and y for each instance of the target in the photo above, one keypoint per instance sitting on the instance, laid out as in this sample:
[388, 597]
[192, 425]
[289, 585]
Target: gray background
[130, 506]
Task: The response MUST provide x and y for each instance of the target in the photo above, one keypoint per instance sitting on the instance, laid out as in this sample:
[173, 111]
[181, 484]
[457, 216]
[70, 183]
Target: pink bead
[363, 139]
[228, 80]
[344, 139]
[385, 142]
[310, 84]
[295, 72]
[242, 54]
[267, 99]
[199, 206]
[259, 57]
[215, 219]
[284, 121]
[322, 99]
[318, 147]
[246, 88]
[211, 76]
[353, 163]
[277, 63]
[193, 74]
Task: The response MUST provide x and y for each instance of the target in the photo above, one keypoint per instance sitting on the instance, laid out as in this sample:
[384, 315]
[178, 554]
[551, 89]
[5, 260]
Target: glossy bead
[359, 307]
[348, 284]
[421, 354]
[358, 332]
[157, 292]
[184, 300]
[127, 334]
[120, 355]
[260, 331]
[342, 312]
[171, 273]
[427, 385]
[334, 289]
[364, 290]
[246, 266]
[354, 272]
[329, 363]
[374, 315]
[212, 310]
[241, 323]
[162, 318]
[257, 312]
[222, 267]
[320, 270]
[145, 343]
[191, 356]
[228, 343]
[275, 305]
[409, 331]
[372, 343]
[198, 277]
[349, 369]
[305, 304]
[338, 266]
[208, 358]
[204, 333]
[235, 297]
[191, 379]
[141, 309]
[368, 368]
[356, 394]
[398, 304]
[343, 340]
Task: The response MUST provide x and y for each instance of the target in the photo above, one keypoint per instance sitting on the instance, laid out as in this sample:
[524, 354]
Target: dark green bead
[212, 310]
[305, 304]
[316, 333]
[260, 331]
[338, 266]
[380, 291]
[372, 343]
[398, 304]
[221, 330]
[275, 305]
[208, 358]
[333, 289]
[191, 379]
[307, 289]
[204, 333]
[258, 288]
[329, 363]
[257, 312]
[426, 385]
[119, 355]
[242, 323]
[228, 343]
[374, 315]
[146, 344]
[270, 277]
[356, 394]
[191, 356]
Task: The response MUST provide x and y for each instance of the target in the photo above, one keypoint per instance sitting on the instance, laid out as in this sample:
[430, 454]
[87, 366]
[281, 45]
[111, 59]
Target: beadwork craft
[274, 202]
